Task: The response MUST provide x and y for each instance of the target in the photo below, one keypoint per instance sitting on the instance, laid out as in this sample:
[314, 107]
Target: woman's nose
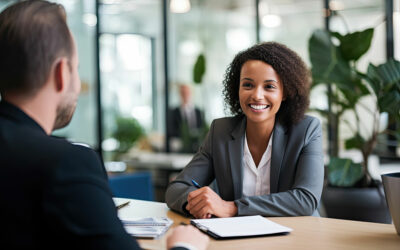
[258, 93]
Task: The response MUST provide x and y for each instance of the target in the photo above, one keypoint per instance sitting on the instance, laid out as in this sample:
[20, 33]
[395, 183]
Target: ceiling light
[179, 6]
[271, 21]
[336, 5]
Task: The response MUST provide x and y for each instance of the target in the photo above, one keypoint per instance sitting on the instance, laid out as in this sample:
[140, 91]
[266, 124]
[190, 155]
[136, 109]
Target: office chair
[132, 186]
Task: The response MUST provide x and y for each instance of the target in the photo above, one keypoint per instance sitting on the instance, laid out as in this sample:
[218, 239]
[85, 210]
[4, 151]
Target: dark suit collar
[14, 113]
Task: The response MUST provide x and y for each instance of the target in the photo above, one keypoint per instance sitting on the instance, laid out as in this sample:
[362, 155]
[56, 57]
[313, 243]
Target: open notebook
[246, 226]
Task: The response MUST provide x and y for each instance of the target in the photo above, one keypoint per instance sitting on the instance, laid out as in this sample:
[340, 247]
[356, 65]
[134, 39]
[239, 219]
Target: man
[186, 120]
[53, 194]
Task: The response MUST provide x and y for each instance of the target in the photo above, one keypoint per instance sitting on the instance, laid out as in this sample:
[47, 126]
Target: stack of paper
[146, 227]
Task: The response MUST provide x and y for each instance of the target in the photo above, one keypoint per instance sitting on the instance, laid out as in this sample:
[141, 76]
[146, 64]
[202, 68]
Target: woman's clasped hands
[204, 203]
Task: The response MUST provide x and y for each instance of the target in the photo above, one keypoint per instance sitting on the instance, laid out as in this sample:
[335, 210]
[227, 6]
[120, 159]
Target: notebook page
[241, 226]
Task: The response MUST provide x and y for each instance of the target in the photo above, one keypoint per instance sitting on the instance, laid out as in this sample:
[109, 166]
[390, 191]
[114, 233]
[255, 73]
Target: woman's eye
[246, 85]
[269, 86]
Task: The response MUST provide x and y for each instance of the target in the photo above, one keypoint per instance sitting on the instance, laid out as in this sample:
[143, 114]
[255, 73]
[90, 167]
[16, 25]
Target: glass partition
[130, 66]
[126, 74]
[291, 22]
[216, 31]
[351, 16]
[82, 20]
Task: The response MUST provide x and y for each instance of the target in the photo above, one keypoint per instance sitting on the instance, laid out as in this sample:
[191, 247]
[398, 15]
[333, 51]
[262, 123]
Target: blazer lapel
[279, 142]
[235, 150]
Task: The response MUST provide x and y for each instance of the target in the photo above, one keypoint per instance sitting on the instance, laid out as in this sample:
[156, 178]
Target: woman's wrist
[231, 209]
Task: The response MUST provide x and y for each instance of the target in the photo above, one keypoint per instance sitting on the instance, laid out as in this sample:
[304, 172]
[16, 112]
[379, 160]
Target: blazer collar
[235, 146]
[279, 142]
[235, 149]
[14, 113]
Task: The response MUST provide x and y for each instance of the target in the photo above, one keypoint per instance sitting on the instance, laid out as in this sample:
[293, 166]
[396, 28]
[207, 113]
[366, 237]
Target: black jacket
[53, 194]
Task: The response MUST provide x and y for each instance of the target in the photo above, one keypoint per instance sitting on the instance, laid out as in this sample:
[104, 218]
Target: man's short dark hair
[33, 34]
[291, 69]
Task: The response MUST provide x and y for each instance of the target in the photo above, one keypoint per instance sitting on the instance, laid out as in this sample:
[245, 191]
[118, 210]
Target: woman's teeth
[258, 107]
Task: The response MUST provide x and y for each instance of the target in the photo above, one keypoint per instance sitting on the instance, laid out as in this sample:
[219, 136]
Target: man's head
[185, 93]
[36, 47]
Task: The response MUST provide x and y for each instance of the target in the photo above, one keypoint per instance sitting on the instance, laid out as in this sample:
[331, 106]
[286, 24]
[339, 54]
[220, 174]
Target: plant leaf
[328, 64]
[384, 79]
[199, 69]
[356, 44]
[355, 142]
[128, 131]
[344, 172]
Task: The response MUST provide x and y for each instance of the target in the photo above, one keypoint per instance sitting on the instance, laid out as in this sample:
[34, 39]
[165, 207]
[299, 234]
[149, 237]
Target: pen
[196, 184]
[123, 205]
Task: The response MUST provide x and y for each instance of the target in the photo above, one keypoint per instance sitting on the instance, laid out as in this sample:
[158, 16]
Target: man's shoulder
[71, 153]
[22, 141]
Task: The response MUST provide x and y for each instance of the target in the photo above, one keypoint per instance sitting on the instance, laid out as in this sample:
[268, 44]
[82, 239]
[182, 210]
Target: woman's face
[260, 91]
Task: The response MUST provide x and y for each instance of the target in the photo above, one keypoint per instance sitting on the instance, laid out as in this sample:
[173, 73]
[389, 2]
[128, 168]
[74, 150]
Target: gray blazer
[297, 169]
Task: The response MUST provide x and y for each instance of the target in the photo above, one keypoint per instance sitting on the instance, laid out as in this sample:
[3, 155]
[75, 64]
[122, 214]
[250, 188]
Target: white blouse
[256, 180]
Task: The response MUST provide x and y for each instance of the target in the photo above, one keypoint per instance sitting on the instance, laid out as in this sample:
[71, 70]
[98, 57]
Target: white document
[150, 227]
[245, 226]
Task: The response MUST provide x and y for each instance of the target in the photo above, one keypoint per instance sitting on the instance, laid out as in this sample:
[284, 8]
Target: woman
[268, 158]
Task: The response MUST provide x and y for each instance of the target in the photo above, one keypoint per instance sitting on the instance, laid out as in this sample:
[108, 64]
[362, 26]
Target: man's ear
[61, 74]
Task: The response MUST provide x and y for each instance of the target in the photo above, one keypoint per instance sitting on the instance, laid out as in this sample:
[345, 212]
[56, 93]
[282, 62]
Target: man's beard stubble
[65, 112]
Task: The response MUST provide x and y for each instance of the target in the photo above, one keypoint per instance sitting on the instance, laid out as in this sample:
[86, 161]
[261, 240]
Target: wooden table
[308, 232]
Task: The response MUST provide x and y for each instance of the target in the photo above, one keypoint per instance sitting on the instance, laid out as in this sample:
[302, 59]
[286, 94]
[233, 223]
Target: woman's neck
[258, 134]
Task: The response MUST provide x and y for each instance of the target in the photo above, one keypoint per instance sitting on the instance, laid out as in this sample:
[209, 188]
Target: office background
[134, 53]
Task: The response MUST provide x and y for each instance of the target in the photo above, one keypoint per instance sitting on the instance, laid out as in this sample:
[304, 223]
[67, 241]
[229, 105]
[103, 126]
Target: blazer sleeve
[78, 204]
[303, 197]
[200, 168]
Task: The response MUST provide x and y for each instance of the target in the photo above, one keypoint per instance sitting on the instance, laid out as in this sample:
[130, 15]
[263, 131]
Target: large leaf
[328, 64]
[322, 54]
[354, 94]
[356, 142]
[390, 102]
[344, 172]
[199, 69]
[354, 45]
[385, 81]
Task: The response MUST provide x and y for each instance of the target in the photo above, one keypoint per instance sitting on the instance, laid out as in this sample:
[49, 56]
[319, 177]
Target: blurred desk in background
[163, 166]
[166, 161]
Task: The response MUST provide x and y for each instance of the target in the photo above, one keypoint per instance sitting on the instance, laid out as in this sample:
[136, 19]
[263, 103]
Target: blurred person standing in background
[186, 123]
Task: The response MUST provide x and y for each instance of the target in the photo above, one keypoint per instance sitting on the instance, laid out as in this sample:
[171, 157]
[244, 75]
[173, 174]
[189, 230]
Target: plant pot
[391, 182]
[363, 204]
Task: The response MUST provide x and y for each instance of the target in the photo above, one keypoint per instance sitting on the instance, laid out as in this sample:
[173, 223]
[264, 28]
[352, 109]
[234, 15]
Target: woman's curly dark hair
[291, 69]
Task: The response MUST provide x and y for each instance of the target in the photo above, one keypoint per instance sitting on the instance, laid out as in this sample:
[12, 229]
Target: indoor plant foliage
[127, 132]
[334, 60]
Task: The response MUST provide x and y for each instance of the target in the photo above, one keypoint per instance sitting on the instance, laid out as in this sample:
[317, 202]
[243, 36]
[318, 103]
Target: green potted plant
[334, 60]
[127, 132]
